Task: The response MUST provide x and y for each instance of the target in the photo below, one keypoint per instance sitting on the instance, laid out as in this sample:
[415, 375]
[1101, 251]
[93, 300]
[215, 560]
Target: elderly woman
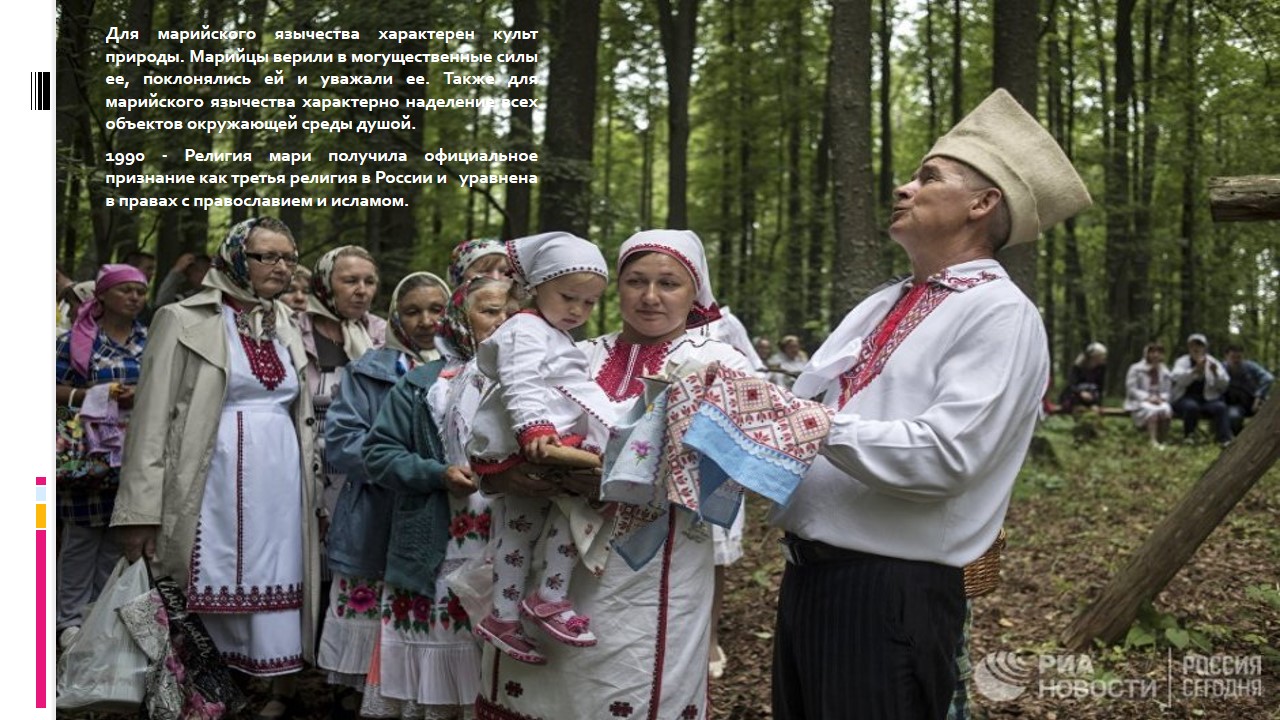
[358, 530]
[429, 657]
[337, 328]
[103, 348]
[478, 258]
[652, 657]
[1148, 385]
[217, 484]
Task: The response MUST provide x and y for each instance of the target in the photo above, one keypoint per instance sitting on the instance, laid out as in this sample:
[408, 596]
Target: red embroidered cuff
[541, 428]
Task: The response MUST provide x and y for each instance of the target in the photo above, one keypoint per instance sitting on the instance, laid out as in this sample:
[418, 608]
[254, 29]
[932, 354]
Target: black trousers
[866, 637]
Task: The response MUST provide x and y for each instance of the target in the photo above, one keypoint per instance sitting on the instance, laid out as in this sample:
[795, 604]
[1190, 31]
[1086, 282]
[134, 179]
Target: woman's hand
[124, 398]
[460, 480]
[137, 540]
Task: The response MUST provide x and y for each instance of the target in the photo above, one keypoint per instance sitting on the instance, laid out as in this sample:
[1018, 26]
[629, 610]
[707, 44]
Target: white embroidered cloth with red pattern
[713, 432]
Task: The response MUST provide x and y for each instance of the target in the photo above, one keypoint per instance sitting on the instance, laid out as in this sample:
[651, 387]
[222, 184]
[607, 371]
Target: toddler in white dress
[543, 402]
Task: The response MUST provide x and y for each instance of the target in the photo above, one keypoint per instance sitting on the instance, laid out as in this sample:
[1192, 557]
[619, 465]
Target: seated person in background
[1199, 382]
[189, 268]
[1085, 380]
[1147, 386]
[1247, 389]
[787, 363]
[764, 347]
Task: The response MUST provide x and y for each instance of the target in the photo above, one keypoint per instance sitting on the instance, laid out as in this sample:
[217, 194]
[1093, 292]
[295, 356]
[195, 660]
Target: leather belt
[799, 551]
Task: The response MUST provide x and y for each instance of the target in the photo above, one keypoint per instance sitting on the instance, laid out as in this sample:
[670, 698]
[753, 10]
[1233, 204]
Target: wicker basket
[982, 576]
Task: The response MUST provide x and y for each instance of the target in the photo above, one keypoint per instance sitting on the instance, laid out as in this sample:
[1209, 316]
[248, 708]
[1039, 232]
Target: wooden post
[1248, 197]
[1176, 539]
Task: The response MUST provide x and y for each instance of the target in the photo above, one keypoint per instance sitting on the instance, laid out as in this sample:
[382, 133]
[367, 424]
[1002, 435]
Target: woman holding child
[653, 624]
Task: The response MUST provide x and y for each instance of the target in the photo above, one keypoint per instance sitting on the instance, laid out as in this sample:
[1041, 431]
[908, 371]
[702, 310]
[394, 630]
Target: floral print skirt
[428, 657]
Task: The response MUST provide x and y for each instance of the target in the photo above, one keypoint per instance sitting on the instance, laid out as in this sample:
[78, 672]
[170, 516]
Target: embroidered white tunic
[246, 567]
[542, 382]
[653, 624]
[921, 462]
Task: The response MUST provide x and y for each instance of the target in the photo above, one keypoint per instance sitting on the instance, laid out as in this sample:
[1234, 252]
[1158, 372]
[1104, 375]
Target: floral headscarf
[470, 251]
[85, 329]
[230, 274]
[455, 337]
[399, 340]
[355, 336]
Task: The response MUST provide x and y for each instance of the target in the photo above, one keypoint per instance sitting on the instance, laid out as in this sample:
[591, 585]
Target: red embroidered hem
[486, 710]
[537, 429]
[272, 666]
[224, 601]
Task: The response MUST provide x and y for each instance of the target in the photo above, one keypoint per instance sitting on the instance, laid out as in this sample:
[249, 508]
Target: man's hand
[137, 540]
[183, 262]
[124, 398]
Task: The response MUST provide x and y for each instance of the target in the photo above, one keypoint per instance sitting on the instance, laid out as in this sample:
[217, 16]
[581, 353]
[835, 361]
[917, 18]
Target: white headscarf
[684, 246]
[538, 258]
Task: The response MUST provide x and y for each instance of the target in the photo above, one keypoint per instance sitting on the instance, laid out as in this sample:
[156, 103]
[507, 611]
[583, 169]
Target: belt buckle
[790, 552]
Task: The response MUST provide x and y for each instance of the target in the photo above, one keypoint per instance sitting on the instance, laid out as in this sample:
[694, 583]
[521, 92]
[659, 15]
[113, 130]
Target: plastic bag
[472, 582]
[104, 669]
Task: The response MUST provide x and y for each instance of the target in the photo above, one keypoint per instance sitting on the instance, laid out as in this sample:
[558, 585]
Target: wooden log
[1247, 197]
[1176, 539]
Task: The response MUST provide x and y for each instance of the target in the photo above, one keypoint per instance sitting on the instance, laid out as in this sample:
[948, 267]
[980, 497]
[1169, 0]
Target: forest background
[775, 129]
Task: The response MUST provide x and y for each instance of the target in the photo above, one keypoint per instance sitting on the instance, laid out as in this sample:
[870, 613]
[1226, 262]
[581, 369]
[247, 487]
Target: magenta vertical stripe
[40, 619]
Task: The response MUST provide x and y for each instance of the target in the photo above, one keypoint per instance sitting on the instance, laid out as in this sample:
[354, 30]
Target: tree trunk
[1016, 29]
[856, 262]
[565, 202]
[930, 70]
[1176, 538]
[1250, 197]
[957, 63]
[1189, 317]
[72, 126]
[884, 196]
[818, 219]
[678, 32]
[1126, 337]
[524, 16]
[794, 304]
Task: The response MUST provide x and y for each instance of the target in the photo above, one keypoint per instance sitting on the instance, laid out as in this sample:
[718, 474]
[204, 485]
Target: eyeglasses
[272, 258]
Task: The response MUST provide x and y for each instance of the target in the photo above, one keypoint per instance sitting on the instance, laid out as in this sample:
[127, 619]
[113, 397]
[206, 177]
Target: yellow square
[40, 516]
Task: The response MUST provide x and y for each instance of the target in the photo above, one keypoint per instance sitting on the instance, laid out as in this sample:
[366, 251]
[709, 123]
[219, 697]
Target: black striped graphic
[40, 90]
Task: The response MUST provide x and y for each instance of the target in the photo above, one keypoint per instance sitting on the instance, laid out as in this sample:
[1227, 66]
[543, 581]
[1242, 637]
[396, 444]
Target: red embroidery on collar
[625, 364]
[906, 314]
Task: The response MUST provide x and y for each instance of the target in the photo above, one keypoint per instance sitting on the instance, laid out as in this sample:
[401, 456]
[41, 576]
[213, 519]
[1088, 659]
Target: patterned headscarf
[230, 274]
[455, 337]
[85, 329]
[539, 258]
[355, 336]
[684, 246]
[398, 339]
[470, 251]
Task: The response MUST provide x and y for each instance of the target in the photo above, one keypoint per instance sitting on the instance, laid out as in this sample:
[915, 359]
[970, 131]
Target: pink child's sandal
[559, 620]
[508, 636]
